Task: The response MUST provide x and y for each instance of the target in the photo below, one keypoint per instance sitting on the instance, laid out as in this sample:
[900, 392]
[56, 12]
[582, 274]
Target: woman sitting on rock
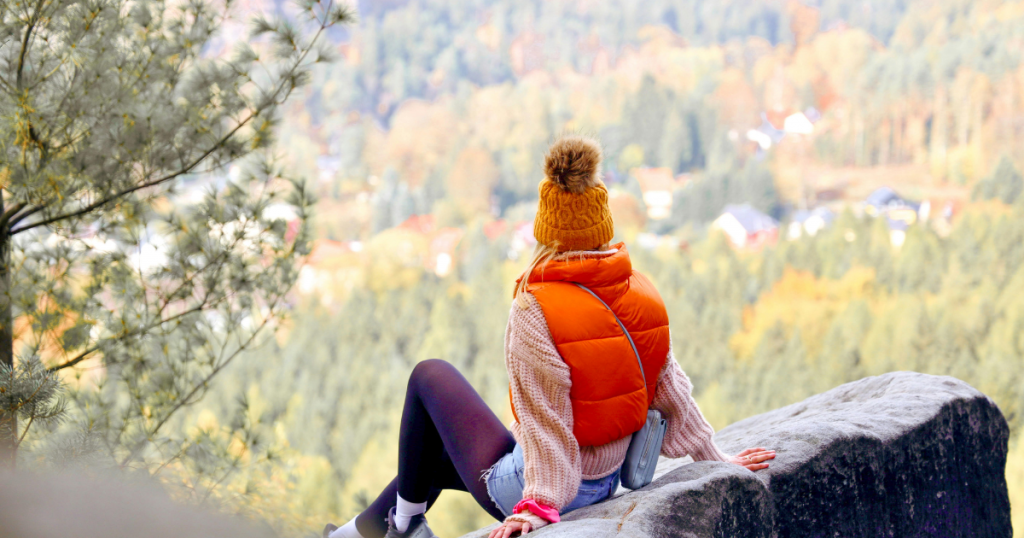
[576, 387]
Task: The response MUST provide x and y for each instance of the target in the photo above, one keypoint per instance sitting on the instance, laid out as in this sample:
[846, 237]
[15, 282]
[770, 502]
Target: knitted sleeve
[540, 383]
[688, 432]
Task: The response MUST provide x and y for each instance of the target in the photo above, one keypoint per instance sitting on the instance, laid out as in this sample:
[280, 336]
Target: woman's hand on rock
[508, 528]
[753, 458]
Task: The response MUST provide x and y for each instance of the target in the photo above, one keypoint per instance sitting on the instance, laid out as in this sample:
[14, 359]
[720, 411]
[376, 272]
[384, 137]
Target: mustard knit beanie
[573, 213]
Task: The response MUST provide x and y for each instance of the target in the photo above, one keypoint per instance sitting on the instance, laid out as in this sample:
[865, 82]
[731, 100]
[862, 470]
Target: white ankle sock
[347, 530]
[405, 511]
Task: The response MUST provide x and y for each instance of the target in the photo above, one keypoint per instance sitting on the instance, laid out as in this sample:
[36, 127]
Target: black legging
[449, 437]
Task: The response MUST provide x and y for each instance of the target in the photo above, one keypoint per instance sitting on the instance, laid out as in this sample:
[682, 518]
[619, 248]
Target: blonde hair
[542, 254]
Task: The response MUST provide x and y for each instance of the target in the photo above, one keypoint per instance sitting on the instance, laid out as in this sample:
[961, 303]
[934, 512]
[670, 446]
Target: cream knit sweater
[540, 385]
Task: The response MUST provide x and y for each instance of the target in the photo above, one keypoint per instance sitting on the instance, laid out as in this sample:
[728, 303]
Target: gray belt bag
[645, 446]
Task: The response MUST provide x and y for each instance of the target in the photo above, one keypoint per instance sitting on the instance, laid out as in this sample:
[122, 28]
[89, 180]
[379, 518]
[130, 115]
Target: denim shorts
[505, 485]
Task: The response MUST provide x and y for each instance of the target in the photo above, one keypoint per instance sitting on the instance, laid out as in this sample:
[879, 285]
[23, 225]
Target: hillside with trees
[926, 95]
[427, 141]
[898, 124]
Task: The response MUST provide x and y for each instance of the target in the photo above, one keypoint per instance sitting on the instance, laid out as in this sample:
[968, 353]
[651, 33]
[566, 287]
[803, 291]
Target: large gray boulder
[898, 455]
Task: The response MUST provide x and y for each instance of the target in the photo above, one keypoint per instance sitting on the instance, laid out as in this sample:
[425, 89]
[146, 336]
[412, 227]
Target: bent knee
[430, 371]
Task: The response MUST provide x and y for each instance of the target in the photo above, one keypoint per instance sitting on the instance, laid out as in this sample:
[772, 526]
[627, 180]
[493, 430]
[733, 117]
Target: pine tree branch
[188, 168]
[61, 64]
[6, 217]
[173, 458]
[273, 100]
[7, 85]
[23, 216]
[24, 43]
[202, 384]
[188, 281]
[204, 304]
[85, 354]
[26, 400]
[27, 427]
[116, 196]
[209, 489]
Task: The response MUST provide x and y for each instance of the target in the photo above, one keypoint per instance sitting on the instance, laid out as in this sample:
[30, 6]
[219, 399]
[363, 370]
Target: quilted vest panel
[609, 399]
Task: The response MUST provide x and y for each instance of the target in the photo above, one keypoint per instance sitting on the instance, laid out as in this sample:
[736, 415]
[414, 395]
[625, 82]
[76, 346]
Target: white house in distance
[798, 123]
[885, 202]
[746, 227]
[898, 212]
[766, 134]
[809, 222]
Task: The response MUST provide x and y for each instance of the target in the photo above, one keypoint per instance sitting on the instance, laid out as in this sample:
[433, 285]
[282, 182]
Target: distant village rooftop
[746, 226]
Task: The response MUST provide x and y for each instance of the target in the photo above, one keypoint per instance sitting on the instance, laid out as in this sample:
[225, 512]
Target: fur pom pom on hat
[573, 213]
[572, 163]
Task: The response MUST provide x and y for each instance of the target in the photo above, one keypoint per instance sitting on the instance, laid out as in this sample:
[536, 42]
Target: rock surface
[60, 506]
[898, 455]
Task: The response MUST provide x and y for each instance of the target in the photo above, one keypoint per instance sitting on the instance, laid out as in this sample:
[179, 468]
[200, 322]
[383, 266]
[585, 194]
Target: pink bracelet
[541, 511]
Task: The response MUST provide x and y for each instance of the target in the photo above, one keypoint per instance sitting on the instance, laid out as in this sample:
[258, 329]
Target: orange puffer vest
[609, 399]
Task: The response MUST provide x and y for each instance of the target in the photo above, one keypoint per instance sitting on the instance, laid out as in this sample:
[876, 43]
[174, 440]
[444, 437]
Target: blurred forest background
[425, 144]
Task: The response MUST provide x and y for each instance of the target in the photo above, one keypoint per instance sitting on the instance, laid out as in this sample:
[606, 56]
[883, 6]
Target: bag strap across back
[624, 331]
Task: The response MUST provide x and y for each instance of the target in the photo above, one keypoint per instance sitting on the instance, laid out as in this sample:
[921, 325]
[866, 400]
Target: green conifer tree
[108, 109]
[1004, 183]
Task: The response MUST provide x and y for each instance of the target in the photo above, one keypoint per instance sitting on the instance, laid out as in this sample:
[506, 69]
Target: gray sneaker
[417, 527]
